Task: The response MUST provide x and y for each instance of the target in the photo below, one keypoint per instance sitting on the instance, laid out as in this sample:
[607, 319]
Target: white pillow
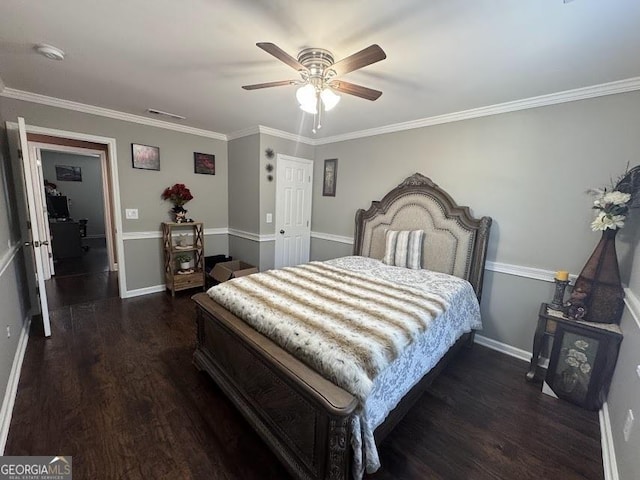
[403, 248]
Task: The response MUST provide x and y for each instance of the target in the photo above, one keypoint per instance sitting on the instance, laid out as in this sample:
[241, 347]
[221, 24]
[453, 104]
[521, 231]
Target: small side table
[582, 360]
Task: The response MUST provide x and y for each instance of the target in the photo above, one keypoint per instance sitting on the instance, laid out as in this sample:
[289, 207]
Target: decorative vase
[600, 281]
[179, 214]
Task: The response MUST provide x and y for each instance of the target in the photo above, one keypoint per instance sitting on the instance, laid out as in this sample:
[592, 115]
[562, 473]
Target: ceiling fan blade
[280, 83]
[281, 55]
[369, 55]
[357, 90]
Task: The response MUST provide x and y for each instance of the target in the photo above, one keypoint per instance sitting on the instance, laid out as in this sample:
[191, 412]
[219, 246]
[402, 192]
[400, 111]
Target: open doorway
[74, 179]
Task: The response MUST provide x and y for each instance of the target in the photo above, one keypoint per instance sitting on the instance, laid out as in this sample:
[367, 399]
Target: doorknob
[44, 243]
[281, 232]
[27, 244]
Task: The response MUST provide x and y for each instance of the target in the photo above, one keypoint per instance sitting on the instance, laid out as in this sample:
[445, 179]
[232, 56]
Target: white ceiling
[191, 57]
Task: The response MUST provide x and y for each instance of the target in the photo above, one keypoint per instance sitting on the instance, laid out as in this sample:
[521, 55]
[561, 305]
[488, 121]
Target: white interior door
[32, 237]
[294, 183]
[44, 250]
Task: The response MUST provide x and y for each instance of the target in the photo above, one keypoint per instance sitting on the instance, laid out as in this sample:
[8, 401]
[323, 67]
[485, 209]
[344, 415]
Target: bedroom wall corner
[244, 197]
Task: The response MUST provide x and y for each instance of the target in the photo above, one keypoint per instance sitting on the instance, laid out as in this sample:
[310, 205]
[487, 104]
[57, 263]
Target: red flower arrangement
[179, 194]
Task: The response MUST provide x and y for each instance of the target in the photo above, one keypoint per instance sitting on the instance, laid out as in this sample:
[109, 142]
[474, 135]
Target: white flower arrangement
[612, 206]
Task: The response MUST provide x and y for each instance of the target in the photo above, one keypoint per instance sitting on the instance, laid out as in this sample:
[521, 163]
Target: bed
[315, 426]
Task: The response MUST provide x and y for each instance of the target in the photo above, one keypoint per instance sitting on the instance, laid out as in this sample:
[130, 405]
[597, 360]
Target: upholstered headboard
[455, 242]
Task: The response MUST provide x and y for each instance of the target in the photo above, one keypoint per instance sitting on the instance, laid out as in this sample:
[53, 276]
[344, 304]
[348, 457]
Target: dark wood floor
[82, 279]
[114, 387]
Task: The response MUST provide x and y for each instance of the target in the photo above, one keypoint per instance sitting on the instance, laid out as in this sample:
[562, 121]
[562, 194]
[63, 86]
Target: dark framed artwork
[582, 362]
[145, 157]
[204, 163]
[330, 177]
[68, 173]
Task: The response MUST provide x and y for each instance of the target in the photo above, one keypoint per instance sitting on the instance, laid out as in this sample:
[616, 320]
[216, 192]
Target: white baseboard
[144, 291]
[608, 452]
[503, 348]
[12, 386]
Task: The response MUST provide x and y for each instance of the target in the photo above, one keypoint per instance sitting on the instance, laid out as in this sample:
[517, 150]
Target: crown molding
[270, 131]
[611, 88]
[604, 89]
[246, 132]
[106, 112]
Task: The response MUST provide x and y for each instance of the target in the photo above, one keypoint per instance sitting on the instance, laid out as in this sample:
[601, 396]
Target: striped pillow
[403, 248]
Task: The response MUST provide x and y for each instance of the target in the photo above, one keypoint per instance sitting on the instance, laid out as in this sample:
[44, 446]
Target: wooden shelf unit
[173, 280]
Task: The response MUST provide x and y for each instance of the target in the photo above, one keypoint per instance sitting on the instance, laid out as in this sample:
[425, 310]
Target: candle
[562, 275]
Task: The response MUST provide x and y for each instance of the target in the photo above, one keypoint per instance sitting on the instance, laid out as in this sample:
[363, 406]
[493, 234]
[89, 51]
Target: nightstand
[583, 357]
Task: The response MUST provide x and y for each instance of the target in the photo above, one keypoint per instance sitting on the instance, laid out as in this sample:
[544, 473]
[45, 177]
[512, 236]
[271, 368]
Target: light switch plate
[269, 217]
[131, 213]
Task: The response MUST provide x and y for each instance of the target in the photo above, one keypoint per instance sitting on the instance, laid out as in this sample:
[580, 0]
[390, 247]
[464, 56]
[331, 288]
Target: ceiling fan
[318, 77]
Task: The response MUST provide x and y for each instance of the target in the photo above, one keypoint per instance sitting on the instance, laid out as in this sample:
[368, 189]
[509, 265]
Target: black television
[57, 206]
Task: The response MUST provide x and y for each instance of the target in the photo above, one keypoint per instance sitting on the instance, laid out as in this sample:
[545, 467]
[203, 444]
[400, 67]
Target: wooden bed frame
[304, 418]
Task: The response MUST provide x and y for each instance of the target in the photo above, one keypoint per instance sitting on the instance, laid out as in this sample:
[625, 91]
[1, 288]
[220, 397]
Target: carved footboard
[300, 415]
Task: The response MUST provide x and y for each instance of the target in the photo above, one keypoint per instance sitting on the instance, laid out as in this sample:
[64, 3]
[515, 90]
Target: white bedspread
[395, 381]
[382, 379]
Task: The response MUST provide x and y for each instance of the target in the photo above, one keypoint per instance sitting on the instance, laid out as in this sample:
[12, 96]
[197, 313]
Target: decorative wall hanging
[269, 153]
[204, 163]
[145, 157]
[330, 177]
[68, 173]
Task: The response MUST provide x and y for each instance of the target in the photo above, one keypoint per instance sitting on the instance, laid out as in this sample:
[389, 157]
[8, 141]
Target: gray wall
[528, 170]
[85, 197]
[141, 189]
[14, 298]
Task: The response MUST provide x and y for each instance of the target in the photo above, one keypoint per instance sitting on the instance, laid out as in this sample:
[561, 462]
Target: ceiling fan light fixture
[329, 98]
[306, 96]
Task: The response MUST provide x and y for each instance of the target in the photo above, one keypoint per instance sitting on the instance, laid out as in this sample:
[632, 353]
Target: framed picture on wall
[330, 177]
[68, 173]
[204, 163]
[145, 157]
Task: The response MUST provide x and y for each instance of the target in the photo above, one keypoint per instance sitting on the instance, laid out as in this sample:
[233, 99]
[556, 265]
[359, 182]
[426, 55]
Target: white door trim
[115, 189]
[278, 260]
[106, 194]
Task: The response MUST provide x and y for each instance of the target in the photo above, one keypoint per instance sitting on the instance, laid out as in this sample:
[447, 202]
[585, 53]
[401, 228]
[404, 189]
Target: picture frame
[582, 362]
[68, 173]
[204, 163]
[145, 157]
[330, 177]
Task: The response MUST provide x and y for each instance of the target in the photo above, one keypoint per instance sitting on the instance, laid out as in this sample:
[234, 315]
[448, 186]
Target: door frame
[37, 148]
[114, 189]
[278, 250]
